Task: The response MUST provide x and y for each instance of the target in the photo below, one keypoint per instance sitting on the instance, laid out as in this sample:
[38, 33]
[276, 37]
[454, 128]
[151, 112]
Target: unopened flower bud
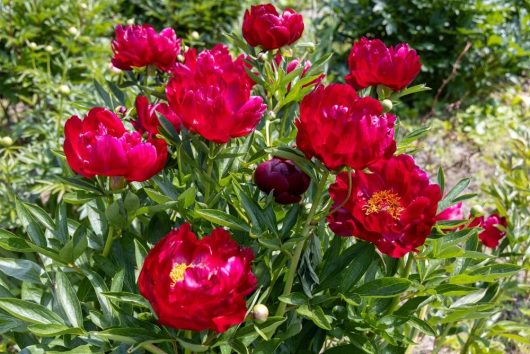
[477, 210]
[73, 31]
[185, 48]
[261, 56]
[48, 48]
[272, 114]
[6, 141]
[283, 178]
[121, 110]
[83, 6]
[195, 35]
[64, 89]
[130, 21]
[32, 45]
[180, 58]
[387, 105]
[260, 313]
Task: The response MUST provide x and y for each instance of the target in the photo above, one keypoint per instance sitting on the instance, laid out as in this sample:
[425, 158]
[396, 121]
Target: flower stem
[209, 168]
[108, 242]
[300, 246]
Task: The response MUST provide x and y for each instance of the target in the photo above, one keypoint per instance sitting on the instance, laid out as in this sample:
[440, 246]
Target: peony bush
[236, 200]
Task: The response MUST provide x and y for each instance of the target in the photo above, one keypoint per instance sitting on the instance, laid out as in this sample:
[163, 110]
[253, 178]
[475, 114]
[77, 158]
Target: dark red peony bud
[198, 284]
[394, 206]
[100, 145]
[284, 178]
[371, 62]
[138, 46]
[492, 234]
[263, 26]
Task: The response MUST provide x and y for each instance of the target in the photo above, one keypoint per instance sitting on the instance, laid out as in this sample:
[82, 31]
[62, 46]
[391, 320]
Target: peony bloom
[198, 284]
[100, 145]
[282, 177]
[263, 26]
[147, 120]
[491, 235]
[293, 65]
[454, 212]
[393, 207]
[138, 46]
[211, 94]
[373, 63]
[342, 129]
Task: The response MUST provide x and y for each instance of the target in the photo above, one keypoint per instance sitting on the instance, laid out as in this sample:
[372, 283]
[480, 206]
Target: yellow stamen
[177, 272]
[384, 201]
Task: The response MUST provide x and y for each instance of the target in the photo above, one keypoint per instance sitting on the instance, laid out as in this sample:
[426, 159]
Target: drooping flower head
[491, 234]
[373, 63]
[284, 178]
[342, 129]
[210, 92]
[100, 145]
[263, 26]
[141, 45]
[393, 206]
[147, 120]
[198, 284]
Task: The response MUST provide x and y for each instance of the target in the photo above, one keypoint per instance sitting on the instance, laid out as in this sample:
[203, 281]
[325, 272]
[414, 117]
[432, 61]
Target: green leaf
[11, 242]
[21, 269]
[449, 199]
[220, 218]
[29, 311]
[199, 348]
[486, 274]
[67, 298]
[315, 314]
[422, 326]
[238, 346]
[383, 287]
[81, 183]
[40, 216]
[53, 330]
[128, 335]
[346, 349]
[294, 299]
[103, 94]
[131, 298]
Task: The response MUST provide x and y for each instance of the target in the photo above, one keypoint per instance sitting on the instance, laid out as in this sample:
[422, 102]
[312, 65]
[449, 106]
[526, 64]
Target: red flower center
[177, 272]
[385, 200]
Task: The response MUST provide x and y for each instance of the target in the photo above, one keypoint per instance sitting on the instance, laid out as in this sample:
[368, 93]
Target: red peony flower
[454, 212]
[211, 94]
[263, 26]
[342, 129]
[393, 207]
[284, 178]
[147, 120]
[100, 145]
[138, 46]
[491, 235]
[373, 63]
[293, 65]
[198, 284]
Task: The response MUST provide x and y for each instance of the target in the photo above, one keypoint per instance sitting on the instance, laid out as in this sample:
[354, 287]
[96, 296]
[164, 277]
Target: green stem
[151, 348]
[300, 246]
[209, 169]
[404, 274]
[439, 341]
[108, 242]
[187, 335]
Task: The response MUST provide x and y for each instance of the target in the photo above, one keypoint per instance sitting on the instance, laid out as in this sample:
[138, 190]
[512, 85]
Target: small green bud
[260, 313]
[477, 210]
[73, 31]
[64, 89]
[32, 45]
[6, 141]
[195, 35]
[180, 58]
[387, 105]
[48, 48]
[130, 21]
